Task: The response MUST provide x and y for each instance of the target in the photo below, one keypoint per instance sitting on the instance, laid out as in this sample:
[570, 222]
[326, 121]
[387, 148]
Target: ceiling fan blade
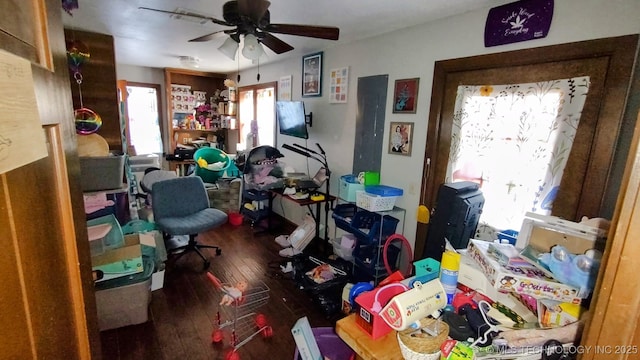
[253, 9]
[320, 32]
[278, 46]
[198, 16]
[207, 37]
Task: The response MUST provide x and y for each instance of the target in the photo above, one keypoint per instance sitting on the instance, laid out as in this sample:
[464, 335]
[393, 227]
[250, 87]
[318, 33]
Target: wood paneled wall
[99, 84]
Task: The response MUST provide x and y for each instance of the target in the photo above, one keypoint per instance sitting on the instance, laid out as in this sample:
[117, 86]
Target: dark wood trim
[619, 50]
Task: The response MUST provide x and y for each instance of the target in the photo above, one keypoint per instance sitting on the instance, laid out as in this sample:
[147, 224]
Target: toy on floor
[233, 293]
[237, 315]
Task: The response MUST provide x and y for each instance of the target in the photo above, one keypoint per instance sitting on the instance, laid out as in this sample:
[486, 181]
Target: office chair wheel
[218, 252]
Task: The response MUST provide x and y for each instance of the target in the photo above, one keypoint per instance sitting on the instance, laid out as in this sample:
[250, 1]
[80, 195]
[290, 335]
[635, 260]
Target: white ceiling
[152, 39]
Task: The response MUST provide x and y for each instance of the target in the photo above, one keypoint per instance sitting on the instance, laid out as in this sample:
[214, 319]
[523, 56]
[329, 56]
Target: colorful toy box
[521, 280]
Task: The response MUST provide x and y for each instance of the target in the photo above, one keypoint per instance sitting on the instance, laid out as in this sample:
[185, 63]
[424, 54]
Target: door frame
[621, 53]
[254, 88]
[122, 87]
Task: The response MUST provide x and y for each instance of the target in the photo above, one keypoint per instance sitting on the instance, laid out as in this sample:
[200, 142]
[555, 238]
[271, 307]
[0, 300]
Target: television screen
[291, 118]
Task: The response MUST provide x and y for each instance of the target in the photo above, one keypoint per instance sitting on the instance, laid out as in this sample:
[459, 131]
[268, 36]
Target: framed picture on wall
[312, 75]
[401, 138]
[405, 96]
[284, 88]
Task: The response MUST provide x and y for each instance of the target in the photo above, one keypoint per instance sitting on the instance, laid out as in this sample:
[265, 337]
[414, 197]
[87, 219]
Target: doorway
[144, 128]
[607, 62]
[257, 115]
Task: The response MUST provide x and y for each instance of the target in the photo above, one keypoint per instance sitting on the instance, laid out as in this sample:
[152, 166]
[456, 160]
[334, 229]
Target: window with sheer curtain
[514, 140]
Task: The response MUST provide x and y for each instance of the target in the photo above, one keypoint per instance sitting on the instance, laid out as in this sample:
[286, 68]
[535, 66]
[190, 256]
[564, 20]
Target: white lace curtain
[514, 140]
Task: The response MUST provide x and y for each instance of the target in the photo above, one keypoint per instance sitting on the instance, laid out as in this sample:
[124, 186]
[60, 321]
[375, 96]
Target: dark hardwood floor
[182, 314]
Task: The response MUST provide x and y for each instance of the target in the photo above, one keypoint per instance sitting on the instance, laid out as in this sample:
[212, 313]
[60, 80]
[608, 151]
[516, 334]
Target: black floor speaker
[455, 217]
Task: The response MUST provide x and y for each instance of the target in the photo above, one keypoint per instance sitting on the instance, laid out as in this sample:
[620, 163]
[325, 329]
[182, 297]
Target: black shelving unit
[371, 229]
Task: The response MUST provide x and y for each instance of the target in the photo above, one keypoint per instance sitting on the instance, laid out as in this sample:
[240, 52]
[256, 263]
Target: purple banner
[519, 21]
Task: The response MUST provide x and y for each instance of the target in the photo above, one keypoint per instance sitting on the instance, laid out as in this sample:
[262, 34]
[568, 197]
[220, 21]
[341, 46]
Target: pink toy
[233, 293]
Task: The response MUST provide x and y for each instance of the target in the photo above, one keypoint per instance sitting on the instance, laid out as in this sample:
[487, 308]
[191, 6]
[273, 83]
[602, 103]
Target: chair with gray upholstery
[181, 207]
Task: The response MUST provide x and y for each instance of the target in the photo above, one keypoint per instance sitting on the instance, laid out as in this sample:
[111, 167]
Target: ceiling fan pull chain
[258, 76]
[238, 78]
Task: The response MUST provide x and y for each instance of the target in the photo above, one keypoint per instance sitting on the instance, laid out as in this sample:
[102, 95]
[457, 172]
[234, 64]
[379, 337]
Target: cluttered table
[384, 348]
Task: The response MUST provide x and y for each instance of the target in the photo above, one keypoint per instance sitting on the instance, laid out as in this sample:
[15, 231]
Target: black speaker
[455, 217]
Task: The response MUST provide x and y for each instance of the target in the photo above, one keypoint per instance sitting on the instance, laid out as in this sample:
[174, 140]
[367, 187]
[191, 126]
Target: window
[530, 128]
[257, 115]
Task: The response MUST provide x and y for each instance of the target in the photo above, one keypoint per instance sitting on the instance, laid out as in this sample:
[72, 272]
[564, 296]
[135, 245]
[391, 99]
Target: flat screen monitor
[291, 118]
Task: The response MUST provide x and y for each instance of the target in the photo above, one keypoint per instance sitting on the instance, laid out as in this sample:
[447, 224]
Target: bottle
[449, 267]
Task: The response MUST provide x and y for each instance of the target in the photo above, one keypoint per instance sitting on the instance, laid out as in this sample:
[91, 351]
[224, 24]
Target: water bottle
[449, 267]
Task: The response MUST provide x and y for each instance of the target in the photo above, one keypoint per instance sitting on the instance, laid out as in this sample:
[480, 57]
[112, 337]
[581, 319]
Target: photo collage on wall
[339, 85]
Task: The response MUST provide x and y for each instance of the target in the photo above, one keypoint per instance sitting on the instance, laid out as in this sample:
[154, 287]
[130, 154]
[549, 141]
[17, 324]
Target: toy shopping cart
[236, 313]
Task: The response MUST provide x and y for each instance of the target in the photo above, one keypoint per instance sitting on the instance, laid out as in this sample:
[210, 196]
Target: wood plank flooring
[182, 314]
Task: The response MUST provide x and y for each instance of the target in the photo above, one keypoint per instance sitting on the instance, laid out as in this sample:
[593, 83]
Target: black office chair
[181, 207]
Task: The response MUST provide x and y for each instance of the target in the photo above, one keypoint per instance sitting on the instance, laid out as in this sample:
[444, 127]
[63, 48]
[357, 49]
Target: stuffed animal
[233, 293]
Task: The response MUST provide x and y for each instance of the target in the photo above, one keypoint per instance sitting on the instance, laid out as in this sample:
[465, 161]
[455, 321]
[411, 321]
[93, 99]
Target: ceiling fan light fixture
[252, 48]
[229, 47]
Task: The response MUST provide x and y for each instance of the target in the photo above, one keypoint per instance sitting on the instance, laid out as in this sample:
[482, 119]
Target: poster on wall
[312, 75]
[519, 21]
[339, 85]
[405, 96]
[284, 88]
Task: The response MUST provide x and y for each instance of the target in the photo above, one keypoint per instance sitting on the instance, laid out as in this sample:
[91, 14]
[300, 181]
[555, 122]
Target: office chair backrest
[179, 197]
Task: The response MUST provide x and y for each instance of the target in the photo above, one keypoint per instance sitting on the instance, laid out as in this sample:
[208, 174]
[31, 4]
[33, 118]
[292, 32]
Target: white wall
[412, 53]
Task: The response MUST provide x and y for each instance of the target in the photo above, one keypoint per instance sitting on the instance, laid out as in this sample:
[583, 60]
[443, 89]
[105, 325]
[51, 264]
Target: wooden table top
[384, 348]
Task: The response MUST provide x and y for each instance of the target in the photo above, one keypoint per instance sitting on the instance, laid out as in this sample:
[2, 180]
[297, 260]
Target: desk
[328, 201]
[384, 348]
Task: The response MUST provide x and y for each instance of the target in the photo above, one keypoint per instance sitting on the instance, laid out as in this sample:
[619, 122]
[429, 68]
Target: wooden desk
[384, 348]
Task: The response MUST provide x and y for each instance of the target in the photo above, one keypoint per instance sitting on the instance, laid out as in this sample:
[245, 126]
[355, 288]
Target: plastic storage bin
[330, 345]
[211, 156]
[102, 172]
[348, 186]
[342, 252]
[371, 202]
[125, 301]
[112, 240]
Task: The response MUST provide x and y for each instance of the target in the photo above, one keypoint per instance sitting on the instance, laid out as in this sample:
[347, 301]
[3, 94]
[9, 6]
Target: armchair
[181, 207]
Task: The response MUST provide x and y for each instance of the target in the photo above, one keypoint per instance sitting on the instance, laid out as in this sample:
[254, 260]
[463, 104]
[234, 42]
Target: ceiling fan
[251, 19]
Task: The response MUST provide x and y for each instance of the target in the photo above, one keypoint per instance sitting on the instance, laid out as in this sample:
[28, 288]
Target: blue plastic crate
[364, 224]
[383, 190]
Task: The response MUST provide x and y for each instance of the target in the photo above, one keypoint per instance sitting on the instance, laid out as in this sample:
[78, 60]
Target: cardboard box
[157, 280]
[521, 280]
[544, 232]
[124, 260]
[554, 313]
[471, 276]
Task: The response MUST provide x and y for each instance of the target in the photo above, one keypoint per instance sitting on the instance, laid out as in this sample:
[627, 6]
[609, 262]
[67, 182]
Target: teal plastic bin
[211, 156]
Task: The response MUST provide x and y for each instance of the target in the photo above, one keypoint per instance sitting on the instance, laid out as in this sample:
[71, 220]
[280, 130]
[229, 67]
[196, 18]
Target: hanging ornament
[87, 121]
[77, 54]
